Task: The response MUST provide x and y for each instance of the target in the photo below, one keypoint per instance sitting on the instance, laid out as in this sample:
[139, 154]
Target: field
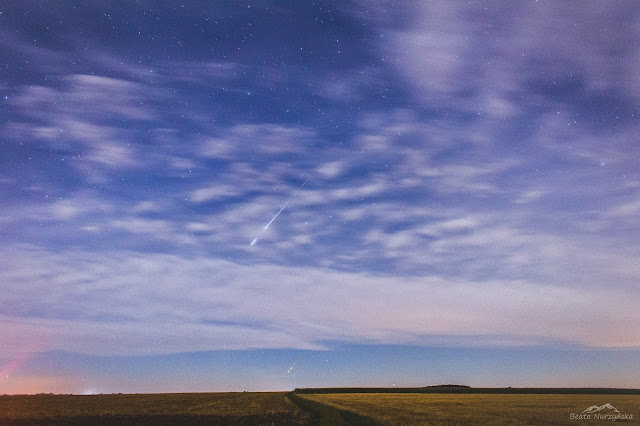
[238, 408]
[304, 407]
[476, 409]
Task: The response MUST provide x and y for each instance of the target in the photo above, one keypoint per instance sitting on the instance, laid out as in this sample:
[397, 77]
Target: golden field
[477, 409]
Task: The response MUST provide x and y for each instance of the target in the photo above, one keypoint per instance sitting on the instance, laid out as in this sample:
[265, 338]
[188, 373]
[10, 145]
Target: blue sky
[458, 179]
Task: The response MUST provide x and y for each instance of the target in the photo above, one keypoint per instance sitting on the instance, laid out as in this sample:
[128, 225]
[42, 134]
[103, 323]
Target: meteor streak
[255, 240]
[294, 364]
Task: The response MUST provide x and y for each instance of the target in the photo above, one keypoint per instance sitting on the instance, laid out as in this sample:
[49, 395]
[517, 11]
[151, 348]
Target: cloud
[65, 209]
[142, 226]
[331, 169]
[50, 61]
[110, 97]
[450, 225]
[85, 119]
[629, 210]
[213, 193]
[255, 141]
[199, 72]
[217, 148]
[133, 303]
[87, 97]
[426, 200]
[148, 206]
[349, 86]
[480, 56]
[374, 188]
[71, 210]
[480, 198]
[198, 227]
[530, 196]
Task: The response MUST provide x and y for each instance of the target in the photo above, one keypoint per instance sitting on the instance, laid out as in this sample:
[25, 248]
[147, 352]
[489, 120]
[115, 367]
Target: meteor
[294, 364]
[255, 240]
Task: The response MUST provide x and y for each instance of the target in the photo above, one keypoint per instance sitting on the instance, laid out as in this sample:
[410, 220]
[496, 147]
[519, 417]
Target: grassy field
[280, 408]
[242, 408]
[476, 409]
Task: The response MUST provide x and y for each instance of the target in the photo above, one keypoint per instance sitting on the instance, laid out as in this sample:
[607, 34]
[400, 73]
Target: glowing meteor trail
[294, 364]
[279, 211]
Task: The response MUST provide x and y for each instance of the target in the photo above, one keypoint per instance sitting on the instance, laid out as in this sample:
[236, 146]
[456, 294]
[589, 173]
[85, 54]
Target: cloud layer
[472, 180]
[129, 303]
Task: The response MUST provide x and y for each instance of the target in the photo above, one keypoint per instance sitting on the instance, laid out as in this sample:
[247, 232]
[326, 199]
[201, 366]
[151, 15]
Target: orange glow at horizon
[10, 382]
[14, 364]
[25, 385]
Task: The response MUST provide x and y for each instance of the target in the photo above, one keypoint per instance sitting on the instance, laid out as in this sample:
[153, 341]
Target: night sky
[436, 192]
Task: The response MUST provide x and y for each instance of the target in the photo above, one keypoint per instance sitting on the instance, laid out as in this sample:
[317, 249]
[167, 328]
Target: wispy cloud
[213, 193]
[122, 302]
[479, 180]
[447, 51]
[257, 140]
